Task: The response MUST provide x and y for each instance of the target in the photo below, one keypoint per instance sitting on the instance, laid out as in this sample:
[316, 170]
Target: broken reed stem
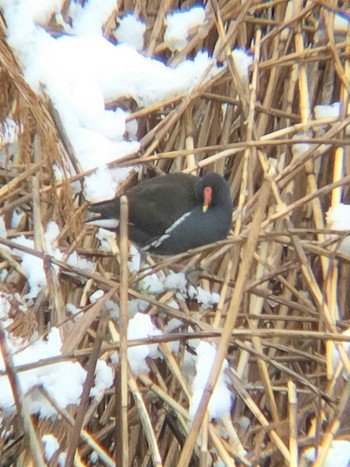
[249, 156]
[175, 369]
[204, 455]
[12, 184]
[249, 402]
[293, 424]
[85, 435]
[224, 455]
[223, 293]
[178, 408]
[145, 420]
[88, 383]
[122, 438]
[331, 278]
[18, 396]
[189, 143]
[81, 327]
[334, 426]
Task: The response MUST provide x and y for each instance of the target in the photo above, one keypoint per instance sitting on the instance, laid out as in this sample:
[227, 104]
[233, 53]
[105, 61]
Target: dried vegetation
[283, 285]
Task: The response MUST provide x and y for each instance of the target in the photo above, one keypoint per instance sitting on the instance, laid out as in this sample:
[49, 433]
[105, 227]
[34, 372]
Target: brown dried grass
[280, 280]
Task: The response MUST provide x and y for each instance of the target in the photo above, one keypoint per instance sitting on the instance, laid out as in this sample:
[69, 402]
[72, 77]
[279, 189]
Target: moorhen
[172, 213]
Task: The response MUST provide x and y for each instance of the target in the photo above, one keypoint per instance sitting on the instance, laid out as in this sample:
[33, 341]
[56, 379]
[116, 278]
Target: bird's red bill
[208, 196]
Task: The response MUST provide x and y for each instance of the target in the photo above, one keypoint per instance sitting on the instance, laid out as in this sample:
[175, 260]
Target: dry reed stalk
[203, 442]
[286, 312]
[174, 368]
[164, 396]
[221, 449]
[293, 444]
[79, 329]
[334, 427]
[122, 444]
[72, 447]
[259, 416]
[146, 422]
[18, 396]
[85, 435]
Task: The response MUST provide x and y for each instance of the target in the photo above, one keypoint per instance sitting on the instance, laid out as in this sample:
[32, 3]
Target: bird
[172, 213]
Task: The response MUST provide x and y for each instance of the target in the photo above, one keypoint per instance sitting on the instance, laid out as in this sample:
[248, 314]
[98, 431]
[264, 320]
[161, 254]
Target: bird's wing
[163, 203]
[154, 205]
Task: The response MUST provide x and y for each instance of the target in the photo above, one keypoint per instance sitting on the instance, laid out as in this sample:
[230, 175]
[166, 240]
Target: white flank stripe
[168, 231]
[105, 223]
[158, 242]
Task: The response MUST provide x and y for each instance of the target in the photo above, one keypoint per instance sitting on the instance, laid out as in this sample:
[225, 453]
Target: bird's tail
[104, 214]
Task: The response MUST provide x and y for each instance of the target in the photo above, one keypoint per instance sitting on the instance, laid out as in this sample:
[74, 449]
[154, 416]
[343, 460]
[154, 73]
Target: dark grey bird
[172, 213]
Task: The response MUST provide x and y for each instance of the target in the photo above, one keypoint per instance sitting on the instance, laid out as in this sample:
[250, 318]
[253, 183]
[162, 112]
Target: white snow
[88, 20]
[99, 185]
[243, 61]
[51, 445]
[135, 306]
[94, 457]
[79, 262]
[103, 378]
[63, 381]
[62, 459]
[96, 296]
[179, 25]
[9, 131]
[83, 71]
[204, 297]
[113, 309]
[175, 281]
[173, 325]
[32, 265]
[299, 149]
[338, 454]
[131, 31]
[341, 22]
[73, 310]
[338, 218]
[16, 218]
[5, 306]
[221, 399]
[3, 231]
[105, 237]
[327, 110]
[152, 284]
[135, 263]
[155, 284]
[335, 353]
[141, 326]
